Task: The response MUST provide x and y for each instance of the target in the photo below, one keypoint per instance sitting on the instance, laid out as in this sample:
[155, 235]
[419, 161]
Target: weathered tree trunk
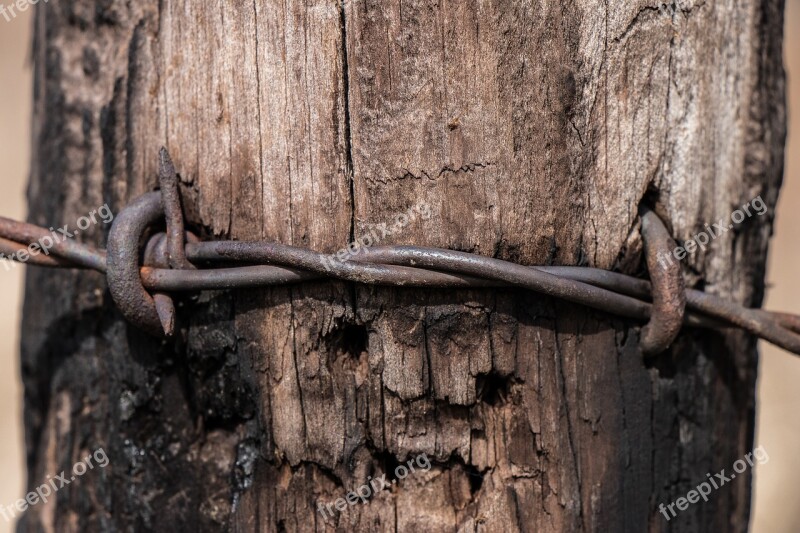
[532, 129]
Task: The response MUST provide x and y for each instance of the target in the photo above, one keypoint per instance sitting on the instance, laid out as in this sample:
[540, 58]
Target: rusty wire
[177, 261]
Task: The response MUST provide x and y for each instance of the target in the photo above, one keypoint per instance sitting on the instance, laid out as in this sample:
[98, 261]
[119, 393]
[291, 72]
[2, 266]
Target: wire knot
[153, 313]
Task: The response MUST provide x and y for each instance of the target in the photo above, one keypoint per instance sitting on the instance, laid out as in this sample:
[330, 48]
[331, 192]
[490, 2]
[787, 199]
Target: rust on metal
[155, 254]
[173, 211]
[669, 292]
[124, 281]
[71, 251]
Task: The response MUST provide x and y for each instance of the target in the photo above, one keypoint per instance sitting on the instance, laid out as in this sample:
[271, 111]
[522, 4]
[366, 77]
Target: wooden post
[531, 130]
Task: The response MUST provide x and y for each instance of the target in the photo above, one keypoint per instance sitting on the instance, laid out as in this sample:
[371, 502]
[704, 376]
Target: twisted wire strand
[408, 266]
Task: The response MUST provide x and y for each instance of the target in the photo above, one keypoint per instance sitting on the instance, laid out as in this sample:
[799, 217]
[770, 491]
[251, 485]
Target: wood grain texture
[533, 130]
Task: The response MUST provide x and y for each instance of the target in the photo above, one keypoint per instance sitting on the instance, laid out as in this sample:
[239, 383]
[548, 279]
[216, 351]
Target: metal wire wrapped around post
[174, 264]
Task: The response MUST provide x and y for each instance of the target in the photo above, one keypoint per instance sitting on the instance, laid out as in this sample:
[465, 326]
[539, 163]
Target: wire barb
[171, 200]
[669, 292]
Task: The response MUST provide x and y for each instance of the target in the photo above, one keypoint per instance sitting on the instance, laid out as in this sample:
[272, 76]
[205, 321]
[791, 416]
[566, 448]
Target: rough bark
[533, 129]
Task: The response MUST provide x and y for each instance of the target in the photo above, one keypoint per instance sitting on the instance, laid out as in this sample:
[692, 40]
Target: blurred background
[776, 507]
[15, 115]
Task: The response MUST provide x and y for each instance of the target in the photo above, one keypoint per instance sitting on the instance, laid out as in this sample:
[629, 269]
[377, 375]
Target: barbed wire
[178, 261]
